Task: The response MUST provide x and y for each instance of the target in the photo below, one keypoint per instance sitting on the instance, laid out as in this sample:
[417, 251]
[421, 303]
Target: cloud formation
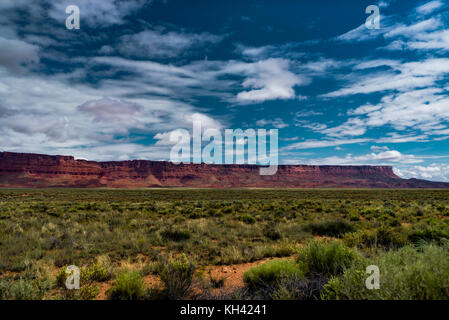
[16, 54]
[163, 44]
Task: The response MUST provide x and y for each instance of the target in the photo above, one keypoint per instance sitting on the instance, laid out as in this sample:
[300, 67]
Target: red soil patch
[232, 275]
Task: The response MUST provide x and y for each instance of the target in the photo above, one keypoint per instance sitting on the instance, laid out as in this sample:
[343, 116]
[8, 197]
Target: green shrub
[270, 272]
[5, 284]
[248, 219]
[327, 259]
[177, 276]
[89, 292]
[175, 235]
[272, 233]
[95, 272]
[127, 286]
[385, 237]
[23, 289]
[336, 228]
[428, 234]
[61, 277]
[405, 274]
[298, 288]
[389, 237]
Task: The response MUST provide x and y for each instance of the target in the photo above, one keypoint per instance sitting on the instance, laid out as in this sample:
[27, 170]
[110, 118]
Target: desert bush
[328, 259]
[298, 288]
[96, 272]
[61, 277]
[89, 292]
[23, 289]
[270, 272]
[272, 233]
[216, 282]
[4, 288]
[405, 274]
[248, 219]
[177, 276]
[385, 237]
[334, 228]
[429, 234]
[389, 237]
[231, 255]
[175, 235]
[128, 224]
[127, 286]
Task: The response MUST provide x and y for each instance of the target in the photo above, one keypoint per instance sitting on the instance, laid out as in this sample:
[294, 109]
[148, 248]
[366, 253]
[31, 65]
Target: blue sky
[338, 92]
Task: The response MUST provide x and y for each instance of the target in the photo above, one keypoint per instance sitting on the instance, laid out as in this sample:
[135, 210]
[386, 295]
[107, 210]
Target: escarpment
[36, 170]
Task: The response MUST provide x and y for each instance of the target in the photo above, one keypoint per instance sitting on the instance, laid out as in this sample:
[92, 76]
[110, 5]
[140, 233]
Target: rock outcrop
[36, 170]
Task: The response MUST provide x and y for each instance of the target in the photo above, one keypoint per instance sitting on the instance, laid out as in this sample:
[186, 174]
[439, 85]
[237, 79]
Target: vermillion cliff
[36, 170]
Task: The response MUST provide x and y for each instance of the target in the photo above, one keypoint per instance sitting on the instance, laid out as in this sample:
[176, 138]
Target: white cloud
[381, 158]
[314, 126]
[422, 109]
[56, 116]
[435, 172]
[398, 138]
[379, 148]
[321, 66]
[205, 121]
[432, 41]
[389, 156]
[290, 139]
[255, 52]
[352, 127]
[361, 33]
[268, 80]
[307, 113]
[109, 110]
[276, 123]
[364, 109]
[415, 34]
[16, 53]
[370, 64]
[164, 137]
[417, 109]
[403, 77]
[414, 29]
[425, 35]
[311, 144]
[429, 7]
[163, 44]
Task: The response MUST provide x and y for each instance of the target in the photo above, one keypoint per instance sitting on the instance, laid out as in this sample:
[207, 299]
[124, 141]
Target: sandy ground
[232, 275]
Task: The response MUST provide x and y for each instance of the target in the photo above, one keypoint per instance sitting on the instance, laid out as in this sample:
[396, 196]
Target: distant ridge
[40, 171]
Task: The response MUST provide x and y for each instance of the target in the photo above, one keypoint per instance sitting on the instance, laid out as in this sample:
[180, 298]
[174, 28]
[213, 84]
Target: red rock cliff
[35, 170]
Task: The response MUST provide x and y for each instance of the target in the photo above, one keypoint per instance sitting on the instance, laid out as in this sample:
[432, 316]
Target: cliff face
[34, 170]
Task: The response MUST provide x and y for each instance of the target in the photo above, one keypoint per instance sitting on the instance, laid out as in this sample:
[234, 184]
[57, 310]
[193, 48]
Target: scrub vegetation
[159, 243]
